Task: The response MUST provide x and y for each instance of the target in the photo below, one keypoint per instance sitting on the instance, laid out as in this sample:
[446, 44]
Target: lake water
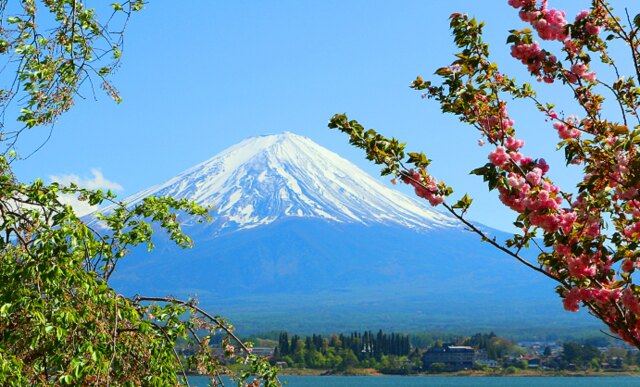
[445, 381]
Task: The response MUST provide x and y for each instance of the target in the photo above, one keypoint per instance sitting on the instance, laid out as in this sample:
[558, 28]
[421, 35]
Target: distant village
[546, 356]
[483, 353]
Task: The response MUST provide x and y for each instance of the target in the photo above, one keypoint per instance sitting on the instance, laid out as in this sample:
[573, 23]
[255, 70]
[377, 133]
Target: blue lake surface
[444, 381]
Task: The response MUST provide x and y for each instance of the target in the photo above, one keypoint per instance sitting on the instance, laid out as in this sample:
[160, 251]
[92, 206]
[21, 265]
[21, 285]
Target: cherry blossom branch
[190, 305]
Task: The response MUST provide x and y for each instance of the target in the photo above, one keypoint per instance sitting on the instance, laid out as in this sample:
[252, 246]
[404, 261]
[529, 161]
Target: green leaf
[4, 310]
[443, 71]
[419, 159]
[482, 170]
[463, 203]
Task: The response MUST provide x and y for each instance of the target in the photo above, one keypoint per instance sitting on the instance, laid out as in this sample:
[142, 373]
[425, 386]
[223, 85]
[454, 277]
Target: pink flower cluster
[530, 55]
[591, 28]
[514, 198]
[424, 188]
[496, 126]
[499, 157]
[538, 61]
[582, 266]
[550, 24]
[513, 143]
[628, 265]
[572, 46]
[566, 132]
[622, 164]
[531, 193]
[631, 301]
[502, 154]
[546, 198]
[543, 204]
[585, 263]
[521, 3]
[575, 296]
[633, 231]
[633, 208]
[627, 193]
[621, 178]
[580, 70]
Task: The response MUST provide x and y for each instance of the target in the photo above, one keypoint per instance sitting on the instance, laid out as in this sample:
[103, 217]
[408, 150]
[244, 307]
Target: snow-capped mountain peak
[268, 178]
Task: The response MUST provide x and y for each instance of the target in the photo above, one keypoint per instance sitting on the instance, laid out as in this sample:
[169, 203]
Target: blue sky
[199, 77]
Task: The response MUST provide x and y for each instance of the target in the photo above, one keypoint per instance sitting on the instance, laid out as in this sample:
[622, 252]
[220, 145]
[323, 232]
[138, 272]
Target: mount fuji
[267, 179]
[303, 240]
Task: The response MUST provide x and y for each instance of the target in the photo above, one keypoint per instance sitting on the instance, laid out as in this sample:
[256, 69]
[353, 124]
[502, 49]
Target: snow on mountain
[266, 178]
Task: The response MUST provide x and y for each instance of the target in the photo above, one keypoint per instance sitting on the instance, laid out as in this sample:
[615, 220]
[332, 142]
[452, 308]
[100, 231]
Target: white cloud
[98, 181]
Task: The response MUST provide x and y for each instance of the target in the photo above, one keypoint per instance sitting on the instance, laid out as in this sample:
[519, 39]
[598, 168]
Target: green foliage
[384, 352]
[437, 368]
[60, 321]
[581, 355]
[497, 348]
[57, 46]
[511, 370]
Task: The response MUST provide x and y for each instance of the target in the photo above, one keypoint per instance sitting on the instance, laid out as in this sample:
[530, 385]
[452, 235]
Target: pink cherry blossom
[513, 144]
[592, 29]
[425, 188]
[535, 176]
[630, 300]
[565, 132]
[582, 14]
[499, 156]
[572, 299]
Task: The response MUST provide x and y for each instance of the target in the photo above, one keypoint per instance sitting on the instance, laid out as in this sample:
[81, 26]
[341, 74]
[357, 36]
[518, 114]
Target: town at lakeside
[482, 354]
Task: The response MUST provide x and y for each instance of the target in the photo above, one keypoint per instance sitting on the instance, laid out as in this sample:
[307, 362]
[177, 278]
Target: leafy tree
[587, 238]
[582, 355]
[616, 353]
[309, 344]
[496, 347]
[60, 321]
[511, 370]
[314, 359]
[283, 344]
[437, 368]
[349, 360]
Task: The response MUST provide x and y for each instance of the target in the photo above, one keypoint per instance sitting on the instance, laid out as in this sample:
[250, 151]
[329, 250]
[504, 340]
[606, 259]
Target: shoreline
[467, 374]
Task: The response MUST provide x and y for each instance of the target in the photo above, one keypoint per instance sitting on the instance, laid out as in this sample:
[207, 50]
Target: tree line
[389, 351]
